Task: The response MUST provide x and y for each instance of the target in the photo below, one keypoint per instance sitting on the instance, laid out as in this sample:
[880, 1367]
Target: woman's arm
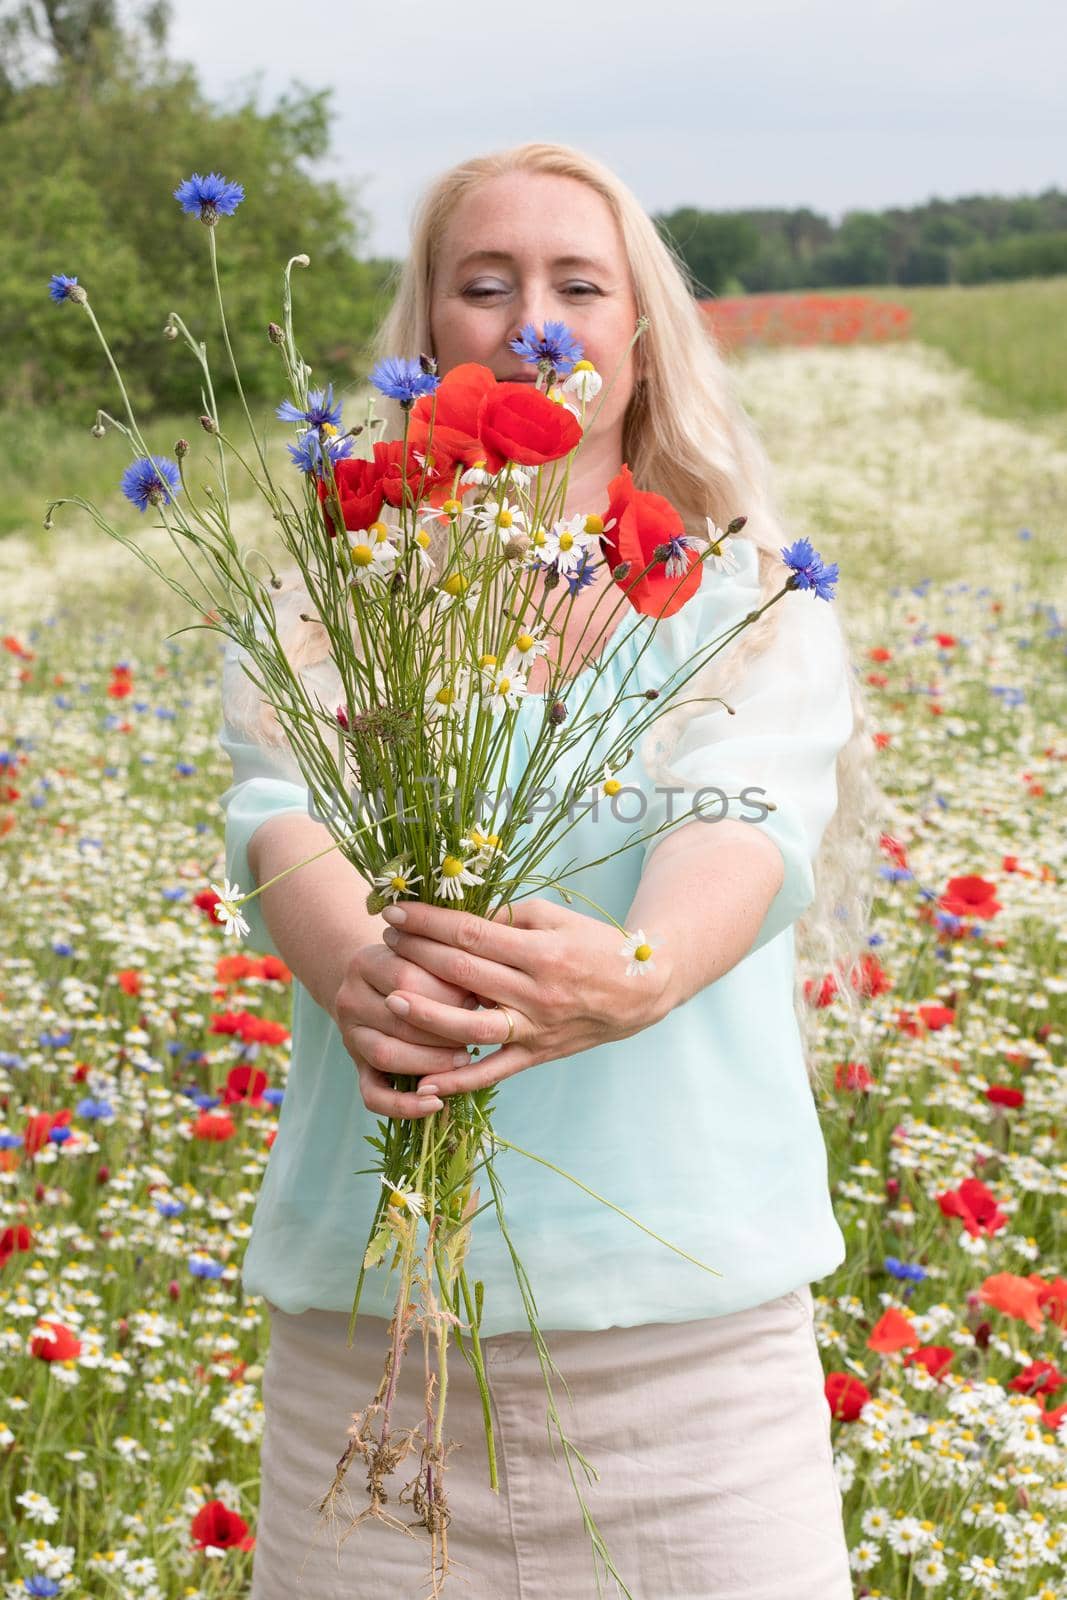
[701, 901]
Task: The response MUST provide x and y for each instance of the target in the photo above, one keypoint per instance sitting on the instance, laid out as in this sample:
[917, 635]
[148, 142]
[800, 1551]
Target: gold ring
[511, 1024]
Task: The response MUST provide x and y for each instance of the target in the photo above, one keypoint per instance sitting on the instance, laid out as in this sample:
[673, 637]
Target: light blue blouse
[703, 1126]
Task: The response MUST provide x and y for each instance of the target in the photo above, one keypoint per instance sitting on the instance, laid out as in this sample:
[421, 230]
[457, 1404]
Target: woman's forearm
[702, 899]
[317, 916]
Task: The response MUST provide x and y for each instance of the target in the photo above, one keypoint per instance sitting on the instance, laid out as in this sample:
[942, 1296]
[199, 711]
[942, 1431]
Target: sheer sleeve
[792, 716]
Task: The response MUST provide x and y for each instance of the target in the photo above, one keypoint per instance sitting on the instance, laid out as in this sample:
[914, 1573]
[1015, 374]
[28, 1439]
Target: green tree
[716, 246]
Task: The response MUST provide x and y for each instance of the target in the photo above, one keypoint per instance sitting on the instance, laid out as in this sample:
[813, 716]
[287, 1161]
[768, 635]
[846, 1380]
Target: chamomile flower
[475, 475]
[505, 689]
[499, 516]
[453, 876]
[457, 589]
[404, 1196]
[371, 552]
[566, 544]
[638, 951]
[722, 557]
[583, 381]
[611, 785]
[447, 694]
[527, 645]
[227, 912]
[485, 847]
[421, 540]
[397, 879]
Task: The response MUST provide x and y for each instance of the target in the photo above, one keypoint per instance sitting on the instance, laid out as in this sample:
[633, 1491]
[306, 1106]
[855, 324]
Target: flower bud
[274, 333]
[302, 261]
[354, 433]
[662, 553]
[651, 694]
[397, 582]
[621, 571]
[551, 578]
[170, 331]
[376, 902]
[557, 713]
[428, 364]
[181, 448]
[98, 430]
[736, 525]
[516, 546]
[209, 424]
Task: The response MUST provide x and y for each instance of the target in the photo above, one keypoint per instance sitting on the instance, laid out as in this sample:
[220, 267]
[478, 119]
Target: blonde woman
[682, 1090]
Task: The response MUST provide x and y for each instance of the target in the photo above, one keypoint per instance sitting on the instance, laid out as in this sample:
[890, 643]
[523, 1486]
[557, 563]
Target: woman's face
[533, 247]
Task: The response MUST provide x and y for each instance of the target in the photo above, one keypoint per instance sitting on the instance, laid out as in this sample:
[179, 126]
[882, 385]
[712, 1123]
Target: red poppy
[825, 993]
[881, 740]
[359, 487]
[395, 470]
[1040, 1377]
[845, 1395]
[999, 1094]
[1052, 1298]
[244, 1085]
[214, 1128]
[456, 407]
[945, 640]
[523, 425]
[1017, 1297]
[53, 1341]
[936, 1358]
[975, 1205]
[970, 897]
[869, 977]
[892, 1331]
[642, 522]
[222, 1529]
[937, 1017]
[274, 968]
[852, 1075]
[129, 980]
[206, 901]
[37, 1129]
[15, 1238]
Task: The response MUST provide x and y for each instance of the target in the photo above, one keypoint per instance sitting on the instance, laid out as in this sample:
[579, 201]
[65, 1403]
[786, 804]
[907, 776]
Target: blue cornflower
[94, 1110]
[403, 380]
[321, 411]
[308, 455]
[1024, 533]
[60, 1135]
[173, 894]
[809, 570]
[556, 346]
[40, 1585]
[1008, 694]
[10, 1141]
[170, 1208]
[903, 1269]
[583, 574]
[211, 197]
[63, 288]
[185, 769]
[201, 1267]
[895, 874]
[151, 481]
[62, 947]
[55, 1041]
[274, 1097]
[206, 1102]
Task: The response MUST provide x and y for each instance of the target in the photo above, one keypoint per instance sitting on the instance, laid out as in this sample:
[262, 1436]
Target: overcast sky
[836, 104]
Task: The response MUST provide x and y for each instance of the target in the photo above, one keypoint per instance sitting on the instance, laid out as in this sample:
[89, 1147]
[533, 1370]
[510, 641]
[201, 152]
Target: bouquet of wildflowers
[442, 567]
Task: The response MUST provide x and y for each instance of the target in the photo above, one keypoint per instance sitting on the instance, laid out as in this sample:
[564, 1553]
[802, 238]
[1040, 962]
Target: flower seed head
[274, 333]
[209, 424]
[557, 713]
[621, 571]
[736, 525]
[181, 448]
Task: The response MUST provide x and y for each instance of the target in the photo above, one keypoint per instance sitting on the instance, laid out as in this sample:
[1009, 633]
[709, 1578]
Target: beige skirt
[711, 1439]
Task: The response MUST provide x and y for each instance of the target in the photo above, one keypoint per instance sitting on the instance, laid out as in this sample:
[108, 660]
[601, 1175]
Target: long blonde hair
[686, 436]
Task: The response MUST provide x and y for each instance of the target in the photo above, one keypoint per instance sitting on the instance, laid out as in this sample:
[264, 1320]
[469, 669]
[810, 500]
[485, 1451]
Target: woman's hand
[380, 1043]
[561, 976]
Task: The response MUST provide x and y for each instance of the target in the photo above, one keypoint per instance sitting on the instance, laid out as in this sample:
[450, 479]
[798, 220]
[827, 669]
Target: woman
[682, 1096]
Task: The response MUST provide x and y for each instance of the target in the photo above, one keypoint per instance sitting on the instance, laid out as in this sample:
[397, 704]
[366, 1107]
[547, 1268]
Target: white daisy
[475, 476]
[226, 910]
[583, 381]
[453, 876]
[638, 952]
[485, 846]
[446, 694]
[527, 646]
[505, 689]
[722, 557]
[611, 784]
[396, 880]
[567, 544]
[421, 540]
[500, 516]
[457, 588]
[371, 552]
[404, 1196]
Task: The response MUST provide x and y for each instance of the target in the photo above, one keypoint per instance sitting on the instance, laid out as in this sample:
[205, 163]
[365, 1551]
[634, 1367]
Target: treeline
[97, 128]
[975, 239]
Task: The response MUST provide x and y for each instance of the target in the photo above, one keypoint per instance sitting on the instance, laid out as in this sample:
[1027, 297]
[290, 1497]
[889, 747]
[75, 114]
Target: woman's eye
[582, 288]
[479, 291]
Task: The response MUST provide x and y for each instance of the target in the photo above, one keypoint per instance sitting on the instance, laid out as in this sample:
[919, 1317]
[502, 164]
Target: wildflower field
[143, 1059]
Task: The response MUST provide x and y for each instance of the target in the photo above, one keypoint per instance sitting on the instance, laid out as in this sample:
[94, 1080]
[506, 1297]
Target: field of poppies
[143, 1059]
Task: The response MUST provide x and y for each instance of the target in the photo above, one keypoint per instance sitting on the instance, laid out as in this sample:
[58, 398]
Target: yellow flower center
[451, 867]
[594, 525]
[452, 508]
[422, 539]
[716, 548]
[612, 787]
[539, 536]
[643, 952]
[399, 884]
[455, 584]
[566, 541]
[505, 519]
[503, 685]
[487, 661]
[524, 642]
[583, 366]
[379, 530]
[445, 695]
[396, 1198]
[479, 465]
[557, 395]
[362, 555]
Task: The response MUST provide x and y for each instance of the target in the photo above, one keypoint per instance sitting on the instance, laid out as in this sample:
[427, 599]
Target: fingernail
[427, 1088]
[390, 936]
[395, 914]
[436, 1105]
[460, 1059]
[398, 1004]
